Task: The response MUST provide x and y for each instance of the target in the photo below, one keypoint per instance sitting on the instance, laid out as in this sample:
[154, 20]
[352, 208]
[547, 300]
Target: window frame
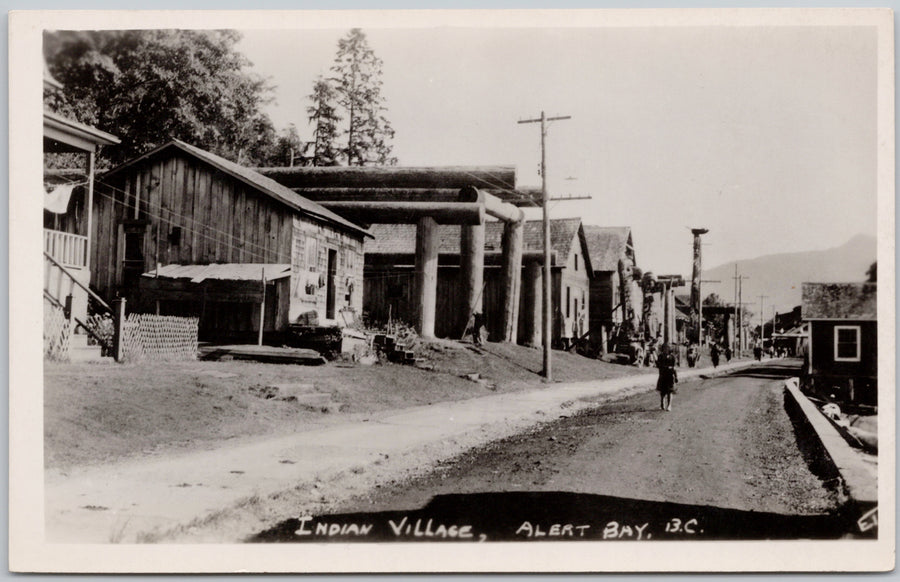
[858, 330]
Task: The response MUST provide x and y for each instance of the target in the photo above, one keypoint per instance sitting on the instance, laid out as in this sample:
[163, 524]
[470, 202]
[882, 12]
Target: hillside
[779, 276]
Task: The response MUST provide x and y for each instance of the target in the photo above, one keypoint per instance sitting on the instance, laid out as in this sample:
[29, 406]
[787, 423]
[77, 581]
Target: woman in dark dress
[668, 377]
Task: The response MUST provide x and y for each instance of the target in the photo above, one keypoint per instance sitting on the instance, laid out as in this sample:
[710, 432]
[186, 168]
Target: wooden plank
[215, 224]
[187, 211]
[240, 210]
[226, 223]
[208, 241]
[199, 214]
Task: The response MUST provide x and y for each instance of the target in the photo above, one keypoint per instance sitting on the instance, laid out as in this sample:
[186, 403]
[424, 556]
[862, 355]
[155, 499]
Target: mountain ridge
[780, 275]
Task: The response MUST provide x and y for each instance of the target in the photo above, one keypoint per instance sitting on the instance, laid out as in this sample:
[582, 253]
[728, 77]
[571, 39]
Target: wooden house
[182, 231]
[389, 278]
[68, 217]
[608, 246]
[842, 354]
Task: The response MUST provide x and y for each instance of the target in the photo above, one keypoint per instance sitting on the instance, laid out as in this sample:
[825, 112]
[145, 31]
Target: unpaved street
[728, 444]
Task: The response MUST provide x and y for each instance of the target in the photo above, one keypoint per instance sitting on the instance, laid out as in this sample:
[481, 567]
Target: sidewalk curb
[856, 481]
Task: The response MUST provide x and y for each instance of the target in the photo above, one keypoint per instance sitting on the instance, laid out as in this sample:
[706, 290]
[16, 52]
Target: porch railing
[70, 250]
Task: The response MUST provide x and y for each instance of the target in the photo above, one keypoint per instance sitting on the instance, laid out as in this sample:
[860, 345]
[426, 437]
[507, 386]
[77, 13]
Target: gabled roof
[851, 301]
[401, 238]
[607, 244]
[253, 179]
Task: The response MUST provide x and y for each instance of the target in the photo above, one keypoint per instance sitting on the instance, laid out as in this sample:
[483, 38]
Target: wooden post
[512, 278]
[426, 275]
[262, 308]
[534, 285]
[119, 313]
[471, 256]
[90, 210]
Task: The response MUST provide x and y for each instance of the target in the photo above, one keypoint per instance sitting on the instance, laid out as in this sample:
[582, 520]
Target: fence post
[67, 308]
[119, 314]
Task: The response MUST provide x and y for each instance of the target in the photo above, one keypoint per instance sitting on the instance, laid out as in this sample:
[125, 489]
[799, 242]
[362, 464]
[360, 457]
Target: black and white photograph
[452, 291]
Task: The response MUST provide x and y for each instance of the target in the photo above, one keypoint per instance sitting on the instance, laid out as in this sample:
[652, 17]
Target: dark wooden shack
[842, 356]
[180, 205]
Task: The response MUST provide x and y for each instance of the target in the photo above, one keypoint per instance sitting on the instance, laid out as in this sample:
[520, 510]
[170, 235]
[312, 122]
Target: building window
[568, 302]
[576, 261]
[846, 343]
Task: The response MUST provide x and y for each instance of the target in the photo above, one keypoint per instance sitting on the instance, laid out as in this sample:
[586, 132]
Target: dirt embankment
[99, 413]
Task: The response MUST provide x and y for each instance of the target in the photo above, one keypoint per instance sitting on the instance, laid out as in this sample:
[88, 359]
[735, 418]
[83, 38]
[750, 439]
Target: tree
[355, 89]
[872, 273]
[149, 86]
[324, 116]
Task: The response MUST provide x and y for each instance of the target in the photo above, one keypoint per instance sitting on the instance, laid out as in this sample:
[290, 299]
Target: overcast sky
[764, 135]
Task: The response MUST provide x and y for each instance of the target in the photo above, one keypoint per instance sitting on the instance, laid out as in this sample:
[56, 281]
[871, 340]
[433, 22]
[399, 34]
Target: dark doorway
[330, 292]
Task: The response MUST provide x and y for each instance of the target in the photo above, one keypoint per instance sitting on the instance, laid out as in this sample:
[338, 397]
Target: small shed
[842, 356]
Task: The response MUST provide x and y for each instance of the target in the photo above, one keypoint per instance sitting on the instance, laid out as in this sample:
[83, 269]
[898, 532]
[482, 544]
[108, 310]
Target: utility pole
[762, 329]
[739, 310]
[701, 305]
[547, 303]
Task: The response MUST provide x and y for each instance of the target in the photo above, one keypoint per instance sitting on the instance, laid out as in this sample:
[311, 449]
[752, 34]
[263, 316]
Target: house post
[119, 315]
[511, 279]
[533, 309]
[471, 249]
[426, 275]
[90, 210]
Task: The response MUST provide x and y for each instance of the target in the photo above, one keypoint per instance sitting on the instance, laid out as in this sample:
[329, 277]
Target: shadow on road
[555, 516]
[778, 371]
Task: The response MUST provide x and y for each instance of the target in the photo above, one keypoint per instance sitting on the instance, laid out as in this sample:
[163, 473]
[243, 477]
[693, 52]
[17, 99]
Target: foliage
[149, 86]
[355, 92]
[872, 273]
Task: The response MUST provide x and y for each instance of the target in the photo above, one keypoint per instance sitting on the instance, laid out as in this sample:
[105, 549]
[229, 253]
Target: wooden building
[179, 206]
[608, 246]
[390, 282]
[842, 356]
[68, 211]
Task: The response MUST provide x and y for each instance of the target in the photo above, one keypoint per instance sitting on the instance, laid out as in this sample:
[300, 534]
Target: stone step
[86, 354]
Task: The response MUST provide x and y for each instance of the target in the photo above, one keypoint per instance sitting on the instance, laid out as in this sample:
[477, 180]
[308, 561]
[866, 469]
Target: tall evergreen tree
[356, 89]
[325, 119]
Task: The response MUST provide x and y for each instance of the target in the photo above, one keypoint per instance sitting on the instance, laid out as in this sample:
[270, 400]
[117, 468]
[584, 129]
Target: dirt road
[728, 444]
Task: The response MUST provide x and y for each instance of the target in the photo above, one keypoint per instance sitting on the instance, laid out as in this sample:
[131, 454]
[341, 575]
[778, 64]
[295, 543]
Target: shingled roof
[400, 239]
[253, 179]
[607, 244]
[852, 301]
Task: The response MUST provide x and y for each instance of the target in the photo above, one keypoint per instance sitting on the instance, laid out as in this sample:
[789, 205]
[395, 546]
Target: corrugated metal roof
[401, 238]
[251, 178]
[223, 272]
[857, 301]
[607, 244]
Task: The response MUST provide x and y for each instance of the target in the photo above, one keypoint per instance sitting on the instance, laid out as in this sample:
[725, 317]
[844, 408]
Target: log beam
[471, 258]
[511, 278]
[489, 177]
[493, 205]
[388, 194]
[426, 275]
[408, 212]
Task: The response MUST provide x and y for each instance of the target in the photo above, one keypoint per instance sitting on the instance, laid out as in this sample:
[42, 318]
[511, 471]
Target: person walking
[693, 354]
[668, 377]
[714, 355]
[727, 353]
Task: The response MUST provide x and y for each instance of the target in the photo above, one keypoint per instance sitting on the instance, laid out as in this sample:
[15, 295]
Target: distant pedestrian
[727, 353]
[478, 329]
[757, 353]
[693, 354]
[714, 355]
[668, 377]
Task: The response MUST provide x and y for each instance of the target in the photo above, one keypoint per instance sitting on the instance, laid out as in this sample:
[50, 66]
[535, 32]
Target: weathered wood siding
[192, 213]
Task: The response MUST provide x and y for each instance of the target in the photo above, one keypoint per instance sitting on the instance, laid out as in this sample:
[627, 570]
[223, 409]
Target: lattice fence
[159, 337]
[57, 333]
